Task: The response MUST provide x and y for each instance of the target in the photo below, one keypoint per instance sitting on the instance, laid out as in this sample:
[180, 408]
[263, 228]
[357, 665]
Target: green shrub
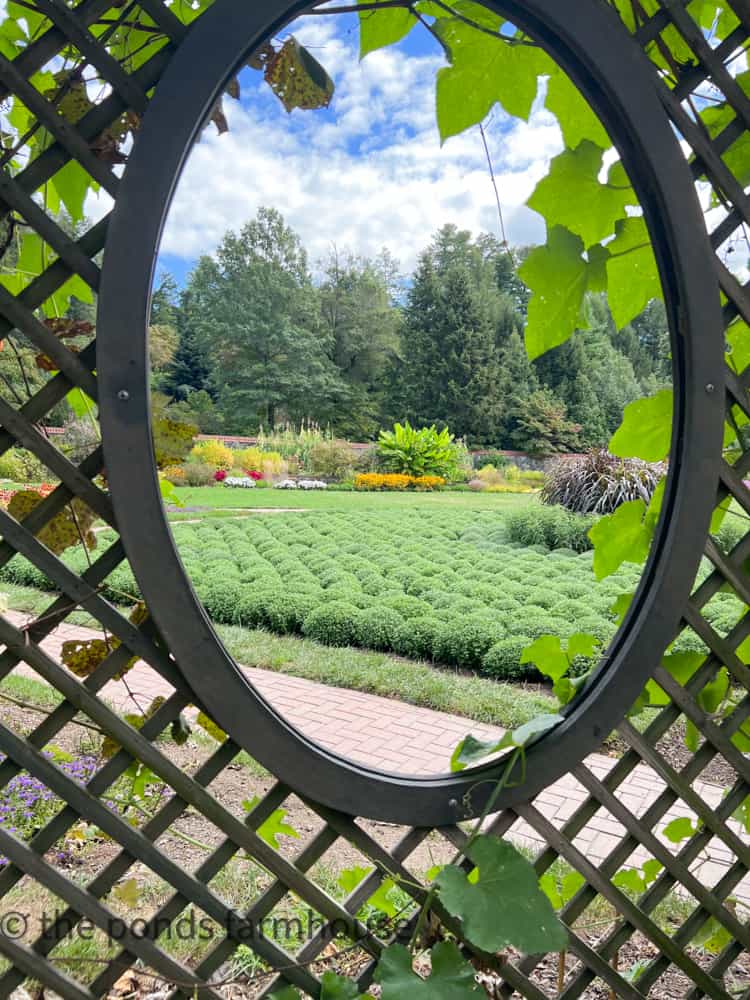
[251, 610]
[222, 600]
[688, 642]
[542, 623]
[199, 474]
[286, 612]
[21, 572]
[470, 640]
[553, 527]
[732, 531]
[332, 624]
[415, 638]
[425, 584]
[330, 459]
[502, 660]
[407, 606]
[437, 599]
[12, 467]
[494, 458]
[377, 628]
[412, 451]
[34, 471]
[545, 598]
[574, 589]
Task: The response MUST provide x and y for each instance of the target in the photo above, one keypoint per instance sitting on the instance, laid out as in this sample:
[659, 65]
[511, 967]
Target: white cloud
[367, 173]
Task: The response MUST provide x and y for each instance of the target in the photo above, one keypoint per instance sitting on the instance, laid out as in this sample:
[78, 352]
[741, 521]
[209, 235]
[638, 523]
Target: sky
[367, 173]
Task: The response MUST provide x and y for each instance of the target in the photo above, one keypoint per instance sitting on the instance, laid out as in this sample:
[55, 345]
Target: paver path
[399, 737]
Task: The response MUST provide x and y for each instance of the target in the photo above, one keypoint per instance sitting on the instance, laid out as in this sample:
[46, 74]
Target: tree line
[254, 340]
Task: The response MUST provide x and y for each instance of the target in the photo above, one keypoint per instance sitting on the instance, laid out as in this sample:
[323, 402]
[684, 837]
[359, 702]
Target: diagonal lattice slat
[593, 960]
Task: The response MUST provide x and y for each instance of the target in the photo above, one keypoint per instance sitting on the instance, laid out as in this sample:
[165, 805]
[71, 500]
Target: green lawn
[226, 497]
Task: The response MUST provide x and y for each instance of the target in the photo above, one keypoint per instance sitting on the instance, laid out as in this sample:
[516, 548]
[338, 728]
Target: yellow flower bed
[394, 481]
[213, 453]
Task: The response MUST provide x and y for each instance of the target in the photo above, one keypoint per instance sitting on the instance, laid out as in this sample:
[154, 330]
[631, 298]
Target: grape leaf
[713, 937]
[638, 879]
[451, 977]
[566, 689]
[169, 494]
[81, 404]
[484, 71]
[128, 893]
[350, 878]
[713, 693]
[526, 919]
[560, 891]
[298, 79]
[83, 656]
[378, 28]
[557, 275]
[692, 736]
[209, 726]
[742, 814]
[582, 644]
[72, 183]
[471, 750]
[335, 987]
[274, 827]
[646, 428]
[738, 346]
[381, 898]
[547, 654]
[597, 256]
[572, 196]
[535, 728]
[681, 666]
[70, 527]
[629, 879]
[719, 513]
[574, 114]
[632, 275]
[679, 829]
[620, 537]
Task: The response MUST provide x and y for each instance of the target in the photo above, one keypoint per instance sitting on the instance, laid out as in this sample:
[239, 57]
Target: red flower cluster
[254, 475]
[220, 475]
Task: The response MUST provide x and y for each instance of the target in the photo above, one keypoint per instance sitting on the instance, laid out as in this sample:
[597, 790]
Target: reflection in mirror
[385, 373]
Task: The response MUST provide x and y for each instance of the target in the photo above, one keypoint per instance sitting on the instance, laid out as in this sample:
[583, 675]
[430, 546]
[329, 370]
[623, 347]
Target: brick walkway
[404, 738]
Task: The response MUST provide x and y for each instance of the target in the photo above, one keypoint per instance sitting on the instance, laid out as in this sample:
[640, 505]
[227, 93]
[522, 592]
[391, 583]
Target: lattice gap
[700, 876]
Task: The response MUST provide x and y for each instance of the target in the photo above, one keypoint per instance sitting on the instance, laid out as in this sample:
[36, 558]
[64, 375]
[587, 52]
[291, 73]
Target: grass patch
[476, 698]
[226, 497]
[27, 690]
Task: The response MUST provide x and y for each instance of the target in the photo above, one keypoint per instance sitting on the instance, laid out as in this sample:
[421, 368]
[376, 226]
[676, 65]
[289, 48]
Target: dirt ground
[191, 839]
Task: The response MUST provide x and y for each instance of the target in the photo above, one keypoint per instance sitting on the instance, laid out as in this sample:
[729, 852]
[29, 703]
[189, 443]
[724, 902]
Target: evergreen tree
[585, 410]
[190, 369]
[165, 302]
[518, 380]
[363, 329]
[542, 426]
[270, 354]
[449, 368]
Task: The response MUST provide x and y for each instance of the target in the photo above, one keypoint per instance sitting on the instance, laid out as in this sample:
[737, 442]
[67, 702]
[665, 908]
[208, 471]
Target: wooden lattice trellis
[62, 27]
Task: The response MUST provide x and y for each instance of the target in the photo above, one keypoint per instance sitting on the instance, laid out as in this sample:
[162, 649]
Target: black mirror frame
[586, 38]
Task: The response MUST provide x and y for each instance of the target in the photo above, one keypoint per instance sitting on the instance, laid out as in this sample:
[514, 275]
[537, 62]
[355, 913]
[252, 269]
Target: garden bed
[445, 586]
